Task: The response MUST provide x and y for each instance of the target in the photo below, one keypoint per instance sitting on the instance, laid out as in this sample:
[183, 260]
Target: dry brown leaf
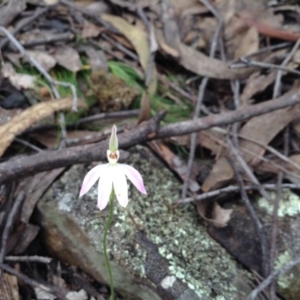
[14, 58]
[145, 111]
[163, 44]
[181, 5]
[90, 30]
[18, 80]
[262, 129]
[28, 117]
[219, 217]
[139, 40]
[135, 35]
[8, 114]
[78, 137]
[35, 187]
[9, 11]
[43, 294]
[256, 83]
[296, 57]
[80, 295]
[24, 236]
[248, 44]
[175, 163]
[69, 58]
[194, 60]
[292, 166]
[50, 2]
[211, 140]
[9, 287]
[194, 10]
[97, 59]
[46, 60]
[203, 65]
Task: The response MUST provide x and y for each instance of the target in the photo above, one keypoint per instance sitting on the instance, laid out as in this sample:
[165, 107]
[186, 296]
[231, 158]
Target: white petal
[90, 178]
[134, 176]
[120, 185]
[105, 187]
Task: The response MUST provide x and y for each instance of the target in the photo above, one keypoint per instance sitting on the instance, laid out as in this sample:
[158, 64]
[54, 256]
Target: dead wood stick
[9, 224]
[258, 224]
[24, 23]
[274, 230]
[274, 275]
[34, 258]
[226, 118]
[60, 293]
[24, 166]
[233, 189]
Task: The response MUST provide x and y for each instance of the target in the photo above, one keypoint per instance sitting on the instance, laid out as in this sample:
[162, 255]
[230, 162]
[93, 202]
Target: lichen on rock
[165, 246]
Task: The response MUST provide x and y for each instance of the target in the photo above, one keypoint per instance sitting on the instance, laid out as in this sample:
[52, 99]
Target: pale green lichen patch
[178, 232]
[288, 206]
[285, 279]
[289, 282]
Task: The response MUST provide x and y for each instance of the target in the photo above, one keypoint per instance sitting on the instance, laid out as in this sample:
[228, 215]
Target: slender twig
[52, 82]
[229, 117]
[47, 160]
[107, 115]
[177, 89]
[253, 295]
[250, 63]
[278, 166]
[248, 171]
[267, 147]
[60, 293]
[87, 12]
[274, 230]
[9, 223]
[38, 66]
[107, 226]
[259, 157]
[29, 145]
[234, 188]
[263, 50]
[202, 87]
[65, 36]
[153, 46]
[35, 258]
[120, 46]
[96, 136]
[277, 85]
[24, 23]
[259, 226]
[236, 125]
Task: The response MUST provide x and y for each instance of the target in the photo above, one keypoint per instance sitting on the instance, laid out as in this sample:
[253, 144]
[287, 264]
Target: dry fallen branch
[272, 277]
[47, 160]
[255, 219]
[35, 258]
[60, 293]
[9, 224]
[234, 189]
[29, 116]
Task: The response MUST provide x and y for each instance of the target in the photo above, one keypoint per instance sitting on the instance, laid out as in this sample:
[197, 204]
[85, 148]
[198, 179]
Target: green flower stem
[107, 226]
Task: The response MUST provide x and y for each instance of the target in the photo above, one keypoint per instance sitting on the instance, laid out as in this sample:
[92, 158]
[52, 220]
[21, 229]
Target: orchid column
[112, 182]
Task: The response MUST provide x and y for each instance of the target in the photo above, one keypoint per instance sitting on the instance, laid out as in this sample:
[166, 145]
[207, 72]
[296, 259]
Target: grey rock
[157, 250]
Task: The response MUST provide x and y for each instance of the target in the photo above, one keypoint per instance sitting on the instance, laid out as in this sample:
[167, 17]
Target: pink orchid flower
[112, 176]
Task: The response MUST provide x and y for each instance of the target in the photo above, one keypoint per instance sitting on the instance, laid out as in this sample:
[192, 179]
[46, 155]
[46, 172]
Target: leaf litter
[122, 59]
